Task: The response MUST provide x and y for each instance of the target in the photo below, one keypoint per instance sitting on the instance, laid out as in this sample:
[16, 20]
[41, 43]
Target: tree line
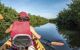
[69, 19]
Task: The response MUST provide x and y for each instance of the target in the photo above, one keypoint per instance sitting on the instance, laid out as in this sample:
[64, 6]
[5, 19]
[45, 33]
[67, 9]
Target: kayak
[37, 44]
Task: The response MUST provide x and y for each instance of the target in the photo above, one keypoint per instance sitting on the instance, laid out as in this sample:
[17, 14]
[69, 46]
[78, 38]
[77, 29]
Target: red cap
[23, 14]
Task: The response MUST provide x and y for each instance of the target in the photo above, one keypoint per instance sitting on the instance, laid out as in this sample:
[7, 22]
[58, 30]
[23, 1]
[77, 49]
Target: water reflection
[50, 33]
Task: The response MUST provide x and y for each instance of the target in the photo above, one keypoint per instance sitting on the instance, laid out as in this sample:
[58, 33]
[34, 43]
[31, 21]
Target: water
[50, 33]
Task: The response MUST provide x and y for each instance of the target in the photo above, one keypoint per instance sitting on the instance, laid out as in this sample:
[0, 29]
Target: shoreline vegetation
[68, 22]
[11, 14]
[53, 20]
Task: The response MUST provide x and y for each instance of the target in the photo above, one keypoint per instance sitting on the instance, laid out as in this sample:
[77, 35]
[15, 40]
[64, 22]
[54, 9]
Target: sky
[45, 8]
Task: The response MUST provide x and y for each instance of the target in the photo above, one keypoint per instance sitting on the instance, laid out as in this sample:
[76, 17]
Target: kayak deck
[37, 44]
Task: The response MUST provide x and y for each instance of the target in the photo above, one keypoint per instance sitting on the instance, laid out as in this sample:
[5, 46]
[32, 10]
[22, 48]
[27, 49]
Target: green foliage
[37, 20]
[52, 20]
[69, 19]
[9, 15]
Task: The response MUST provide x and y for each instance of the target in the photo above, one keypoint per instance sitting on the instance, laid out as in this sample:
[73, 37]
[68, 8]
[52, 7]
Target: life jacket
[20, 28]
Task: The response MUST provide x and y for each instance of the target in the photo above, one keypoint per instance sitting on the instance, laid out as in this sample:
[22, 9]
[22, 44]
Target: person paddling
[22, 26]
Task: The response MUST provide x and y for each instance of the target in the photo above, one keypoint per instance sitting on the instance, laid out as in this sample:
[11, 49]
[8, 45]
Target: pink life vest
[20, 28]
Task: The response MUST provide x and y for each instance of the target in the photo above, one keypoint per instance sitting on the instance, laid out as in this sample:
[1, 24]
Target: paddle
[54, 43]
[57, 43]
[47, 42]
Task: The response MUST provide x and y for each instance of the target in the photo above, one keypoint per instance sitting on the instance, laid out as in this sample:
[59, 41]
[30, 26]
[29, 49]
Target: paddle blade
[57, 43]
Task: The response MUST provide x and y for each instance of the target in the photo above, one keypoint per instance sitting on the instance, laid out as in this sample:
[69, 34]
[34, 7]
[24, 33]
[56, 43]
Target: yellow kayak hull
[38, 45]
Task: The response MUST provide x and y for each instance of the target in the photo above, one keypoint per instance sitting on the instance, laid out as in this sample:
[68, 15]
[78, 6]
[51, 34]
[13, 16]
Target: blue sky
[45, 8]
